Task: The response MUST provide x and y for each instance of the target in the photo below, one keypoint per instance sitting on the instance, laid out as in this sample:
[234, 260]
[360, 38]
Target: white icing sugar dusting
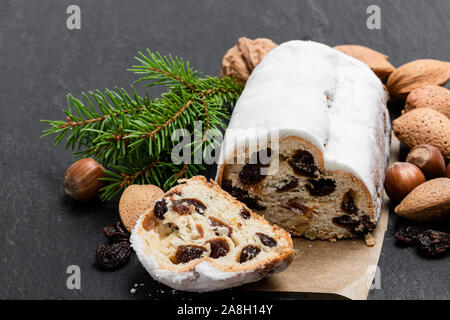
[310, 90]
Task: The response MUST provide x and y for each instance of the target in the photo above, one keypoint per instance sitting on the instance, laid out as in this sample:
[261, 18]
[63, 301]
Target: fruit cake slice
[322, 117]
[199, 238]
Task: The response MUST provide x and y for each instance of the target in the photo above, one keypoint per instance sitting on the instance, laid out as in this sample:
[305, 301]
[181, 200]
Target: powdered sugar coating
[307, 89]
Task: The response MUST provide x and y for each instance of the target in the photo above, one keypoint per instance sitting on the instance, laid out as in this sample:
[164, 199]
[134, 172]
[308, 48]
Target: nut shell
[401, 179]
[424, 126]
[428, 202]
[240, 60]
[135, 200]
[374, 59]
[81, 180]
[429, 159]
[415, 74]
[430, 96]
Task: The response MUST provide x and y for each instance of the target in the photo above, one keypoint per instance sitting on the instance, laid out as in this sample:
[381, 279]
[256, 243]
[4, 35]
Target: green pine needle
[131, 134]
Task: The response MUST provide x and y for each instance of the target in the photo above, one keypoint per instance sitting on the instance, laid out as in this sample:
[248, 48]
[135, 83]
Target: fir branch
[131, 134]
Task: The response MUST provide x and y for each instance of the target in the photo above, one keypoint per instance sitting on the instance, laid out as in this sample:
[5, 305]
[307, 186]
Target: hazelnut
[401, 179]
[81, 180]
[240, 60]
[429, 159]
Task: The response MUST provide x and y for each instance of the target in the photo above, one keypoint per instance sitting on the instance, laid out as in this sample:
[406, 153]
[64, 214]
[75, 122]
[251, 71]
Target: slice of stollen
[199, 238]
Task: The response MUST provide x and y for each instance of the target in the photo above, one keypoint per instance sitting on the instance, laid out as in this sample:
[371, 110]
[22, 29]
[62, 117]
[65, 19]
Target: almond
[374, 59]
[429, 96]
[416, 74]
[135, 200]
[424, 126]
[428, 202]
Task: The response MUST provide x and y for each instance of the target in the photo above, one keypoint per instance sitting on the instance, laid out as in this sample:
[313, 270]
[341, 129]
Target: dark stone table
[43, 231]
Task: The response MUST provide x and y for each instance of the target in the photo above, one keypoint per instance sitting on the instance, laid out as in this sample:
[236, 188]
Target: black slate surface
[43, 231]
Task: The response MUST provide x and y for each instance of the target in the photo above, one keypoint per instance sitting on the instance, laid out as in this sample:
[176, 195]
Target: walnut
[240, 60]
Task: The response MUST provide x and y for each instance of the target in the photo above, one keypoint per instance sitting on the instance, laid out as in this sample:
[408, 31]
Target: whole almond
[424, 126]
[375, 60]
[135, 200]
[429, 96]
[428, 202]
[416, 74]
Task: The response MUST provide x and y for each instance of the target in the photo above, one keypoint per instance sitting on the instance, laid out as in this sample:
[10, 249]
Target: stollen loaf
[308, 142]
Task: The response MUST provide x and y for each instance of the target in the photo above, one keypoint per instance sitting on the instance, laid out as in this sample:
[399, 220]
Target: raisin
[110, 256]
[186, 253]
[160, 209]
[296, 206]
[345, 221]
[248, 253]
[148, 223]
[348, 203]
[433, 243]
[266, 240]
[302, 162]
[245, 213]
[367, 224]
[321, 187]
[219, 223]
[242, 195]
[116, 232]
[199, 230]
[408, 233]
[251, 172]
[219, 248]
[182, 207]
[288, 184]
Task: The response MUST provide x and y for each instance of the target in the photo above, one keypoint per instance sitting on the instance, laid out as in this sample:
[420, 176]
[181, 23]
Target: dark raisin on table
[302, 162]
[116, 232]
[111, 256]
[321, 187]
[433, 243]
[160, 209]
[248, 253]
[407, 233]
[266, 240]
[219, 248]
[186, 253]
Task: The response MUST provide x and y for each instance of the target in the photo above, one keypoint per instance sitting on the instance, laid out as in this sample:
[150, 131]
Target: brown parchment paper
[345, 268]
